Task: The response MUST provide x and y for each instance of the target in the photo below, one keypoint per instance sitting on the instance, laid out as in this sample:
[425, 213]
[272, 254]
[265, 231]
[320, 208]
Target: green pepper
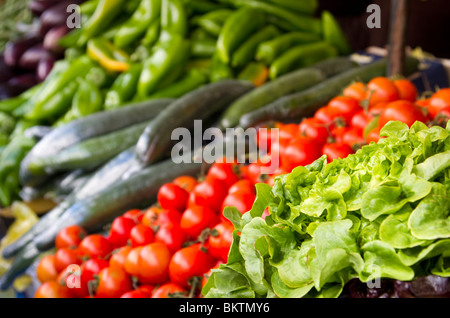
[173, 18]
[203, 48]
[300, 6]
[268, 51]
[237, 29]
[193, 80]
[87, 100]
[9, 105]
[147, 12]
[88, 7]
[203, 6]
[104, 14]
[246, 52]
[213, 21]
[7, 123]
[201, 34]
[302, 56]
[255, 72]
[21, 126]
[168, 60]
[333, 33]
[100, 77]
[219, 70]
[123, 88]
[152, 34]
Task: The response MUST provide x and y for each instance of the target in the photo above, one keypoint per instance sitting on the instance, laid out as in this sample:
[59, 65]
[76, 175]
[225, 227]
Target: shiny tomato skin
[220, 243]
[113, 283]
[243, 185]
[243, 201]
[438, 101]
[406, 89]
[120, 230]
[46, 269]
[171, 196]
[345, 106]
[338, 150]
[188, 183]
[154, 262]
[210, 193]
[403, 111]
[381, 89]
[172, 236]
[70, 236]
[169, 290]
[197, 218]
[141, 235]
[65, 257]
[52, 289]
[95, 246]
[356, 90]
[119, 257]
[223, 171]
[313, 128]
[301, 151]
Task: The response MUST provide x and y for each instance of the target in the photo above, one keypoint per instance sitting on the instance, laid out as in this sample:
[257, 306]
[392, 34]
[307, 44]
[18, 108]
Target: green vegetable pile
[383, 212]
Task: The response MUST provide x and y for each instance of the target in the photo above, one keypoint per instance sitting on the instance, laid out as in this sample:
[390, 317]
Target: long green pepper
[124, 87]
[173, 18]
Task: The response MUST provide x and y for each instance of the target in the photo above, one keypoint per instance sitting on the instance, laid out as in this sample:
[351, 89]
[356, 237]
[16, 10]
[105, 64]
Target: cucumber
[200, 104]
[139, 190]
[306, 103]
[90, 126]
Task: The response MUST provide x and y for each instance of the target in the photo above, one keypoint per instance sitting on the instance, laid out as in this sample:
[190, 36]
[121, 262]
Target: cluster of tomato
[167, 250]
[348, 122]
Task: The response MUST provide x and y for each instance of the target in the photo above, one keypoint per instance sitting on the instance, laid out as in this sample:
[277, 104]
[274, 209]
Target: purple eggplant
[5, 70]
[30, 59]
[20, 83]
[5, 91]
[14, 50]
[43, 69]
[55, 15]
[37, 7]
[52, 37]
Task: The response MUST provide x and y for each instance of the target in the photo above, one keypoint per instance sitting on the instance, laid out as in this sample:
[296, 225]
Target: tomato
[223, 171]
[354, 138]
[381, 89]
[148, 289]
[113, 283]
[243, 185]
[210, 193]
[169, 290]
[188, 183]
[219, 242]
[336, 150]
[360, 120]
[65, 257]
[46, 269]
[301, 151]
[403, 111]
[338, 133]
[373, 135]
[439, 100]
[119, 257]
[120, 230]
[443, 116]
[89, 270]
[313, 128]
[208, 274]
[406, 89]
[287, 131]
[243, 201]
[356, 90]
[70, 236]
[264, 139]
[378, 108]
[345, 106]
[136, 294]
[253, 171]
[52, 289]
[197, 218]
[154, 262]
[141, 235]
[131, 265]
[150, 216]
[70, 276]
[95, 246]
[135, 215]
[189, 262]
[171, 196]
[172, 236]
[326, 115]
[166, 217]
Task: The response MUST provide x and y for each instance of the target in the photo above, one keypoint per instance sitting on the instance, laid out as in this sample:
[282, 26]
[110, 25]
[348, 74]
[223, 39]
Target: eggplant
[21, 83]
[5, 91]
[5, 70]
[37, 7]
[55, 15]
[44, 67]
[31, 58]
[14, 50]
[52, 38]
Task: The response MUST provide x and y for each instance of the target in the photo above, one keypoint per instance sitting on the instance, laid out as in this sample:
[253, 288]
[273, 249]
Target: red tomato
[313, 128]
[225, 172]
[95, 246]
[377, 109]
[70, 236]
[65, 257]
[188, 183]
[120, 230]
[151, 215]
[443, 116]
[243, 185]
[243, 201]
[169, 290]
[131, 265]
[69, 278]
[166, 217]
[336, 150]
[210, 193]
[345, 106]
[119, 257]
[113, 283]
[406, 89]
[338, 133]
[301, 151]
[439, 100]
[264, 139]
[354, 138]
[356, 90]
[154, 263]
[89, 270]
[171, 196]
[373, 135]
[326, 115]
[172, 236]
[52, 289]
[136, 294]
[219, 242]
[46, 269]
[197, 218]
[135, 215]
[381, 89]
[403, 111]
[360, 120]
[141, 235]
[190, 262]
[287, 131]
[146, 289]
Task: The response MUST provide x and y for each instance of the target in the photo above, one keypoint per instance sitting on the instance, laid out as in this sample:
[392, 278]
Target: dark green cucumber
[199, 104]
[139, 190]
[305, 103]
[90, 126]
[290, 83]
